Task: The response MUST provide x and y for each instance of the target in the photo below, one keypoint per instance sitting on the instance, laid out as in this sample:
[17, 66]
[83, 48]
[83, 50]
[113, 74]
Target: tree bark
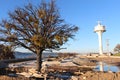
[39, 60]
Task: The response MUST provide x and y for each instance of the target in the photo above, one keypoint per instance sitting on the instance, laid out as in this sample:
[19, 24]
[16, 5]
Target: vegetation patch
[117, 54]
[6, 52]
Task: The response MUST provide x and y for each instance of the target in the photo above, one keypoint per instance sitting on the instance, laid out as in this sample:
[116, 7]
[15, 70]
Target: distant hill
[24, 55]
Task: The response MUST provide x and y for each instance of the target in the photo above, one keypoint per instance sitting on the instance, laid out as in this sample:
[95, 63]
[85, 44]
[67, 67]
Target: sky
[84, 14]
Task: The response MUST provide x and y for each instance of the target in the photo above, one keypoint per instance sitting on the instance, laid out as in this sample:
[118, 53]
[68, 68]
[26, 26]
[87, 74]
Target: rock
[78, 73]
[84, 78]
[83, 62]
[32, 70]
[74, 78]
[37, 75]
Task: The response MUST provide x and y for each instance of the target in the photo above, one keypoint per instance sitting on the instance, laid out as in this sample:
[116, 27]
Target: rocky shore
[64, 68]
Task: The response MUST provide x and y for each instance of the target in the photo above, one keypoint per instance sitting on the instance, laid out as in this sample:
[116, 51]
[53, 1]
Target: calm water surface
[106, 67]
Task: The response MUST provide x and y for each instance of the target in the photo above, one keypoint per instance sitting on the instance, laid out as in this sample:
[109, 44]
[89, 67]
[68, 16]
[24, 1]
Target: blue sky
[85, 14]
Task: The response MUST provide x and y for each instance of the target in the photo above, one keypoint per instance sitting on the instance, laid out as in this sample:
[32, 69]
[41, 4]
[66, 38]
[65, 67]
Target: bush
[117, 54]
[6, 52]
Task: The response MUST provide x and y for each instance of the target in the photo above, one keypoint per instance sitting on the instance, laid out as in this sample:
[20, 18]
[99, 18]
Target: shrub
[117, 54]
[6, 52]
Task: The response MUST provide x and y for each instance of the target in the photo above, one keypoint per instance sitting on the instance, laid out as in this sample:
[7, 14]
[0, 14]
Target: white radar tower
[99, 29]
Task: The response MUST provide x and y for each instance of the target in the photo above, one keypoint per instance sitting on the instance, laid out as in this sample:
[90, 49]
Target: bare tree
[36, 28]
[117, 48]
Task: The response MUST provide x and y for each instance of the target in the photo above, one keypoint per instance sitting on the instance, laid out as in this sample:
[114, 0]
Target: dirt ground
[99, 76]
[5, 77]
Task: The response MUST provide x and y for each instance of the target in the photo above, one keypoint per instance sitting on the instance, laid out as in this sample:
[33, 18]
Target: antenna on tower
[107, 46]
[99, 22]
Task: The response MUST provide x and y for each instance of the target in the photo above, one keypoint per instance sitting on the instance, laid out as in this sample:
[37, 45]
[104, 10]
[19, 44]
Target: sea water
[33, 55]
[101, 66]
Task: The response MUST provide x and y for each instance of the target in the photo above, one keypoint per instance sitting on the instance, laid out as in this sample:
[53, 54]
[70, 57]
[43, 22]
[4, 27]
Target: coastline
[75, 67]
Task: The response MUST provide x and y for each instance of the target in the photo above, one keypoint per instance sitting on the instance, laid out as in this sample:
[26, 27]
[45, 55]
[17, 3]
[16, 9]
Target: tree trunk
[39, 60]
